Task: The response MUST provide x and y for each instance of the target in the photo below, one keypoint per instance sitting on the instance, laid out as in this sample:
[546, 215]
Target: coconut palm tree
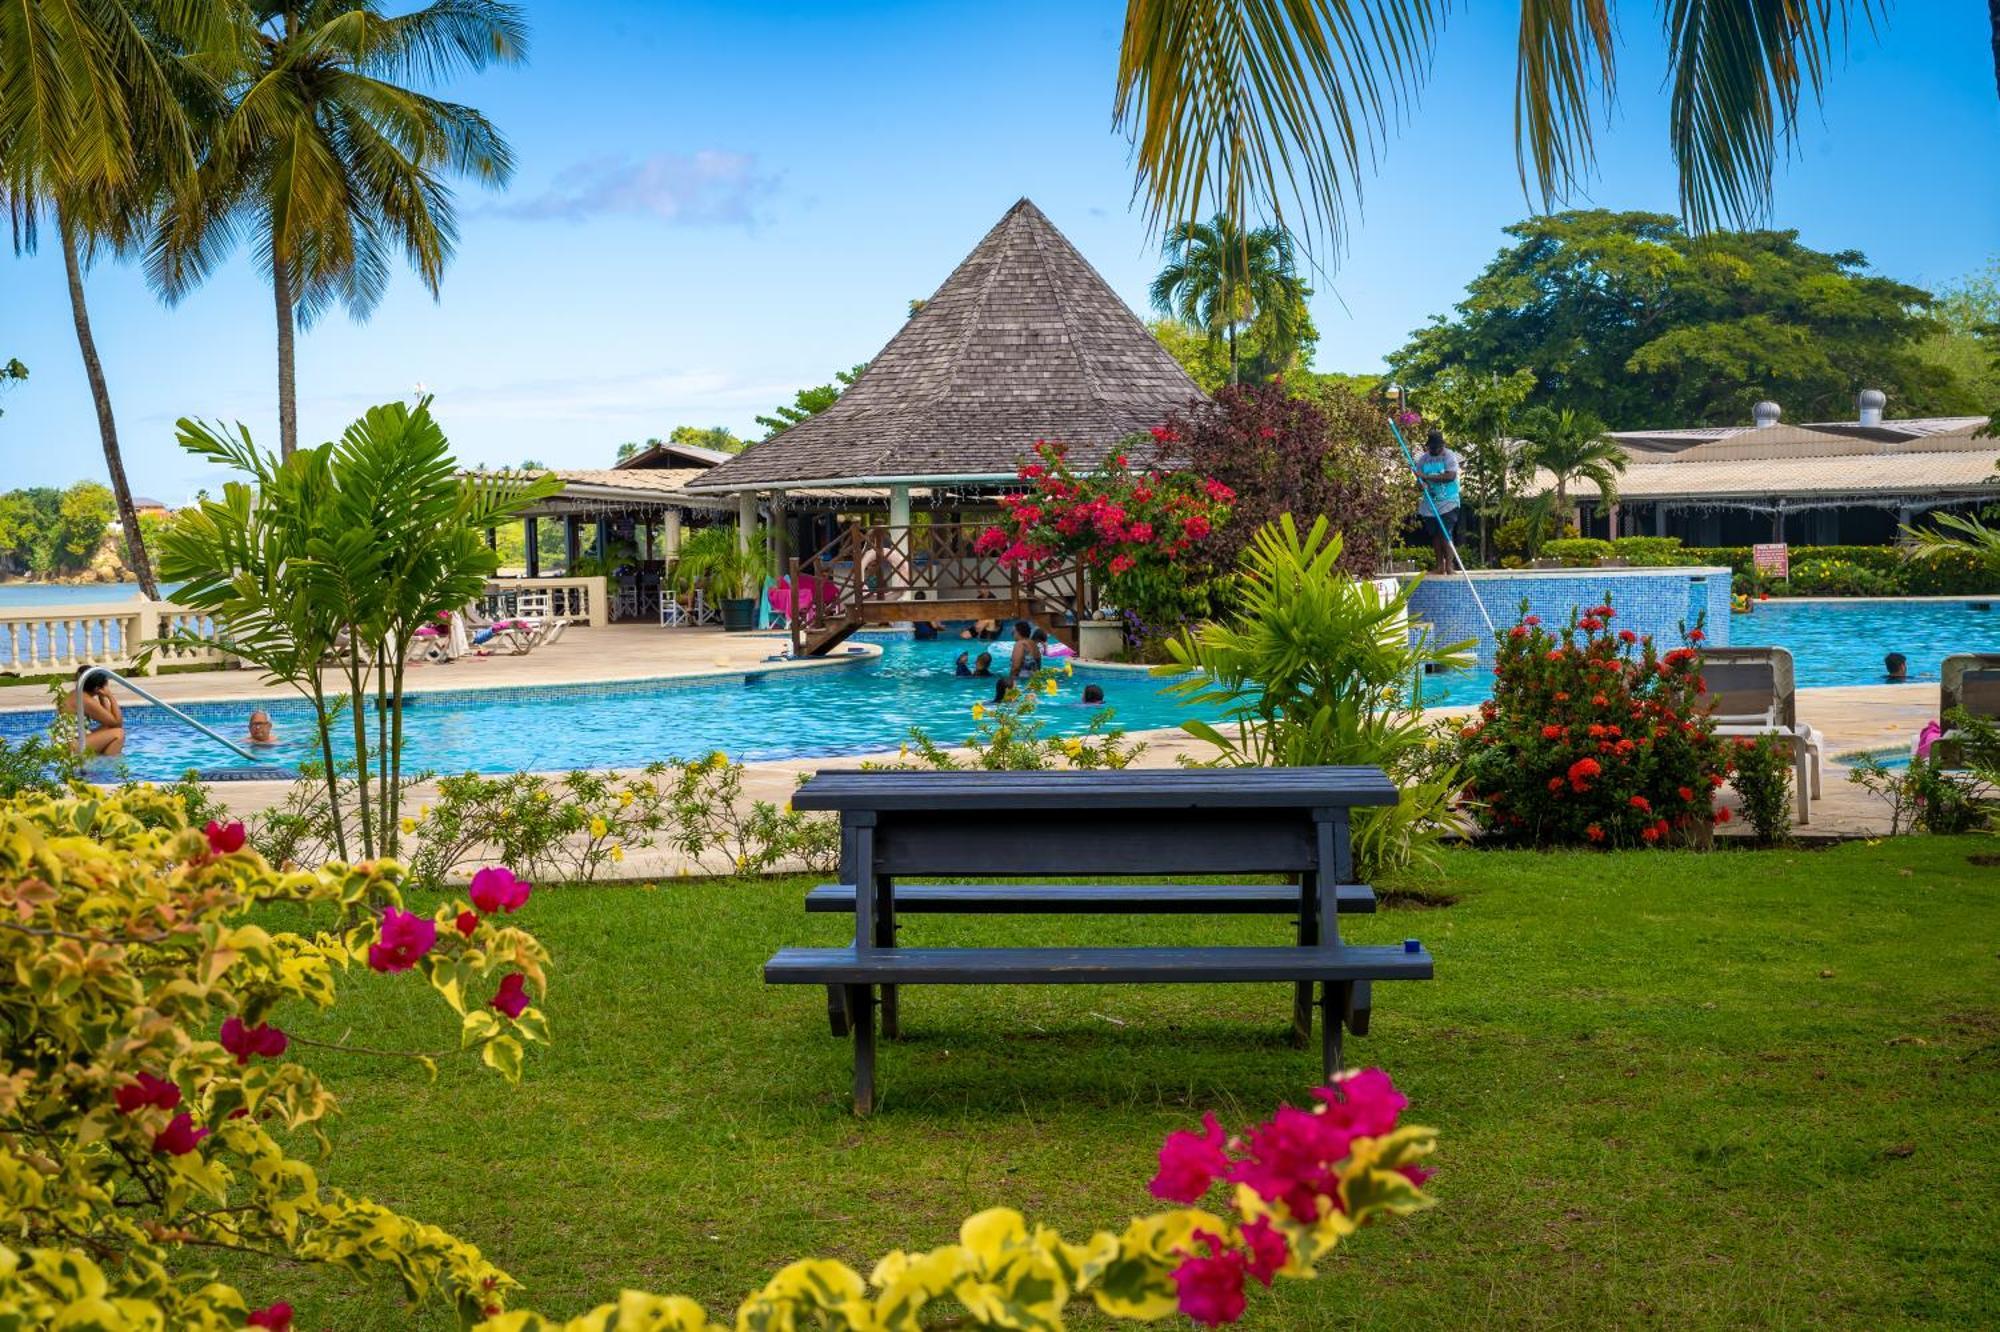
[1237, 105]
[94, 123]
[1219, 278]
[332, 162]
[1571, 446]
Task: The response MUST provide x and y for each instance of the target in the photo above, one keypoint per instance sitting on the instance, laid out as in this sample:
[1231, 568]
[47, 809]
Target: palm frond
[1239, 106]
[1567, 63]
[1738, 70]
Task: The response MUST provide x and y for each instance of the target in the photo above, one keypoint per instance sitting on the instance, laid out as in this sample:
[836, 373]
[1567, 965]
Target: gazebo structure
[1024, 341]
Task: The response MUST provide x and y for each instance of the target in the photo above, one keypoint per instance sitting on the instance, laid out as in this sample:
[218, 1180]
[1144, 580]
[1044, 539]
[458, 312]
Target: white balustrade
[45, 640]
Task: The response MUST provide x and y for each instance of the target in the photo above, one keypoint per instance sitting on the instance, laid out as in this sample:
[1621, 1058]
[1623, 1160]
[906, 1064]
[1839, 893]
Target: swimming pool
[857, 708]
[1832, 642]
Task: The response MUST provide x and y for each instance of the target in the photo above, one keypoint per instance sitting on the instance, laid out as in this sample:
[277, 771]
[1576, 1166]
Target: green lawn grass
[1736, 1089]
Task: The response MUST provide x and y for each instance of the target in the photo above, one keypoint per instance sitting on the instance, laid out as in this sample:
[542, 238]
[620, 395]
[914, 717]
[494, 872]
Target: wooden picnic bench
[1241, 821]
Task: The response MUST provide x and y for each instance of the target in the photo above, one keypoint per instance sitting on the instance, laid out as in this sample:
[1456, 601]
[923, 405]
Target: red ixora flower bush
[1593, 737]
[1134, 531]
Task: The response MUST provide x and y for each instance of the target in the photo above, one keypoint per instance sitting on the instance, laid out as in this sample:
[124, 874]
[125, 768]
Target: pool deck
[1852, 718]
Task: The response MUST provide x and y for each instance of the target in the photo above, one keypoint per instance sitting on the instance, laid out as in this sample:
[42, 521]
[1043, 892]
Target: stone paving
[1855, 718]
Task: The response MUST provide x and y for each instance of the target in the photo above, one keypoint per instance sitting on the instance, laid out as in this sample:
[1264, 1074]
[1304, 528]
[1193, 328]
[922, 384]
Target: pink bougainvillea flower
[466, 923]
[1290, 1158]
[406, 937]
[513, 996]
[496, 889]
[148, 1090]
[244, 1042]
[1365, 1101]
[1190, 1162]
[223, 838]
[272, 1317]
[1265, 1249]
[1211, 1288]
[179, 1137]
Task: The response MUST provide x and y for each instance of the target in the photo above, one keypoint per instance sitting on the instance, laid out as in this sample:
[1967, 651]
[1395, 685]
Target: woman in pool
[100, 709]
[983, 665]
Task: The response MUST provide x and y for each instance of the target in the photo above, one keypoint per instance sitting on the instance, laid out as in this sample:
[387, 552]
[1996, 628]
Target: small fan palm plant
[1572, 446]
[719, 559]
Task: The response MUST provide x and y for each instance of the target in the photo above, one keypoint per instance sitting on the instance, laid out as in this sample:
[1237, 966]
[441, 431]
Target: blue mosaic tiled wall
[1648, 601]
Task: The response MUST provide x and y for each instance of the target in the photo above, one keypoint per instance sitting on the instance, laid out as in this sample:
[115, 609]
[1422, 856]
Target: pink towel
[1925, 738]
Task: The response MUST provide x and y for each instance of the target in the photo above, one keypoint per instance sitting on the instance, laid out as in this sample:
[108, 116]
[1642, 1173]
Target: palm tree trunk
[107, 427]
[1993, 12]
[288, 400]
[1232, 341]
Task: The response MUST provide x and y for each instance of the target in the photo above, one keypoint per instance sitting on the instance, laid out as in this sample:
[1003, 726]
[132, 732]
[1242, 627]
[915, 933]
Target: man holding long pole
[1438, 470]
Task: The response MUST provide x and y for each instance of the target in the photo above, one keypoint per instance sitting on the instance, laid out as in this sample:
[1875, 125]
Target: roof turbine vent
[1765, 413]
[1871, 402]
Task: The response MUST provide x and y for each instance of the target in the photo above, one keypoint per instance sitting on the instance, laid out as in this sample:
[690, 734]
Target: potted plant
[717, 558]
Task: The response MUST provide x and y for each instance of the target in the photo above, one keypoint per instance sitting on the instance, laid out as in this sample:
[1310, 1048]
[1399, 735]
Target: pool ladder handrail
[156, 701]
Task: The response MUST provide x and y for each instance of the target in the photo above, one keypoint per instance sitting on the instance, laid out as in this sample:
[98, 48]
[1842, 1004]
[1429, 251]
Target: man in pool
[100, 709]
[261, 730]
[1093, 696]
[1438, 469]
[1896, 668]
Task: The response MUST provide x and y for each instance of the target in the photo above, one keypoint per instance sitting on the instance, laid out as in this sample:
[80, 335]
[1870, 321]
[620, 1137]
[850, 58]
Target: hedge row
[1815, 570]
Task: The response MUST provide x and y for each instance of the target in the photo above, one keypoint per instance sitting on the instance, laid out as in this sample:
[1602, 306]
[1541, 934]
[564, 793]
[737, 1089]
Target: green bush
[1421, 556]
[1837, 577]
[1653, 550]
[1578, 552]
[1761, 771]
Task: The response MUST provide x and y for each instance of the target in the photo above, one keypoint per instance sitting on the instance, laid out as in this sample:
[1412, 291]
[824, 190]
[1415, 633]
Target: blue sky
[719, 203]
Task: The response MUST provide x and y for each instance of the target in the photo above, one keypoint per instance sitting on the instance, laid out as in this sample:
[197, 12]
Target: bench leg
[1358, 1006]
[861, 1013]
[1334, 999]
[892, 1022]
[1302, 1015]
[836, 1009]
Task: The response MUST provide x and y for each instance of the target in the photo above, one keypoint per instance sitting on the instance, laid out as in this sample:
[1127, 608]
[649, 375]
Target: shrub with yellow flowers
[151, 1095]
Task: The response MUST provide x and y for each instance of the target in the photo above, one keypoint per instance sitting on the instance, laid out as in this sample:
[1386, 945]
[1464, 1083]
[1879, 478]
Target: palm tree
[1219, 278]
[94, 123]
[1572, 446]
[1234, 105]
[333, 163]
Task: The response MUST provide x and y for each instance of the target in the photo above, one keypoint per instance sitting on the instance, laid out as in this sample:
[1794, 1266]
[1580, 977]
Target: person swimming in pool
[106, 734]
[1896, 668]
[261, 730]
[983, 664]
[963, 666]
[1093, 696]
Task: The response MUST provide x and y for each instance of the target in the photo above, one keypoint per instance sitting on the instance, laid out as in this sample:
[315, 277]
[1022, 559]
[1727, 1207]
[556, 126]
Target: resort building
[1820, 484]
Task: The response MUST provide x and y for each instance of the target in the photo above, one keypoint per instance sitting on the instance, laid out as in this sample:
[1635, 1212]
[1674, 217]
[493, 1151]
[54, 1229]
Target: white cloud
[707, 188]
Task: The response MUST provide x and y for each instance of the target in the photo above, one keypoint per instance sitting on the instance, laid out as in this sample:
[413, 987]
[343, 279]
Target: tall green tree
[1571, 446]
[332, 160]
[94, 125]
[1967, 341]
[1222, 279]
[810, 401]
[1238, 106]
[1628, 317]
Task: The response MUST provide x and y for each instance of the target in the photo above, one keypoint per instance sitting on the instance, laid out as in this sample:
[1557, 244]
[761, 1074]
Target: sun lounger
[1751, 693]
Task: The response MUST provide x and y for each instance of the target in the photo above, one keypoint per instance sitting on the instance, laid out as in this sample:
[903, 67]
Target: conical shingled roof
[1024, 341]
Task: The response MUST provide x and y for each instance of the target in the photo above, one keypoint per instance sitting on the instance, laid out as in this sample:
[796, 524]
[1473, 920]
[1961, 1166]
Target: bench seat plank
[1053, 899]
[1125, 789]
[1090, 966]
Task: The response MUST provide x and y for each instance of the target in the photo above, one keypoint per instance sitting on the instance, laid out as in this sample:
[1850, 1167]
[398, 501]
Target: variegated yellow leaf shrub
[1295, 1187]
[148, 1103]
[150, 1099]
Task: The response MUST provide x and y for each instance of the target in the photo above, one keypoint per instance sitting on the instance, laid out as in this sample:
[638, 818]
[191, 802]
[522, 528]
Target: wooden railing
[877, 574]
[577, 600]
[43, 640]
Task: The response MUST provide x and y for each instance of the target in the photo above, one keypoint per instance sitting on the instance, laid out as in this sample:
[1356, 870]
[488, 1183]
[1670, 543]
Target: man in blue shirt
[1438, 470]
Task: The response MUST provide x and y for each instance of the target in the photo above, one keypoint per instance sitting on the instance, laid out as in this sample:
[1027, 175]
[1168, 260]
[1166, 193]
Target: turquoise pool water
[836, 710]
[1831, 642]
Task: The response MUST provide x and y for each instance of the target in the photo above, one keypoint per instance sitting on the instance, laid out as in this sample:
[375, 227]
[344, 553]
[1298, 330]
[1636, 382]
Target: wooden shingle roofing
[1024, 341]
